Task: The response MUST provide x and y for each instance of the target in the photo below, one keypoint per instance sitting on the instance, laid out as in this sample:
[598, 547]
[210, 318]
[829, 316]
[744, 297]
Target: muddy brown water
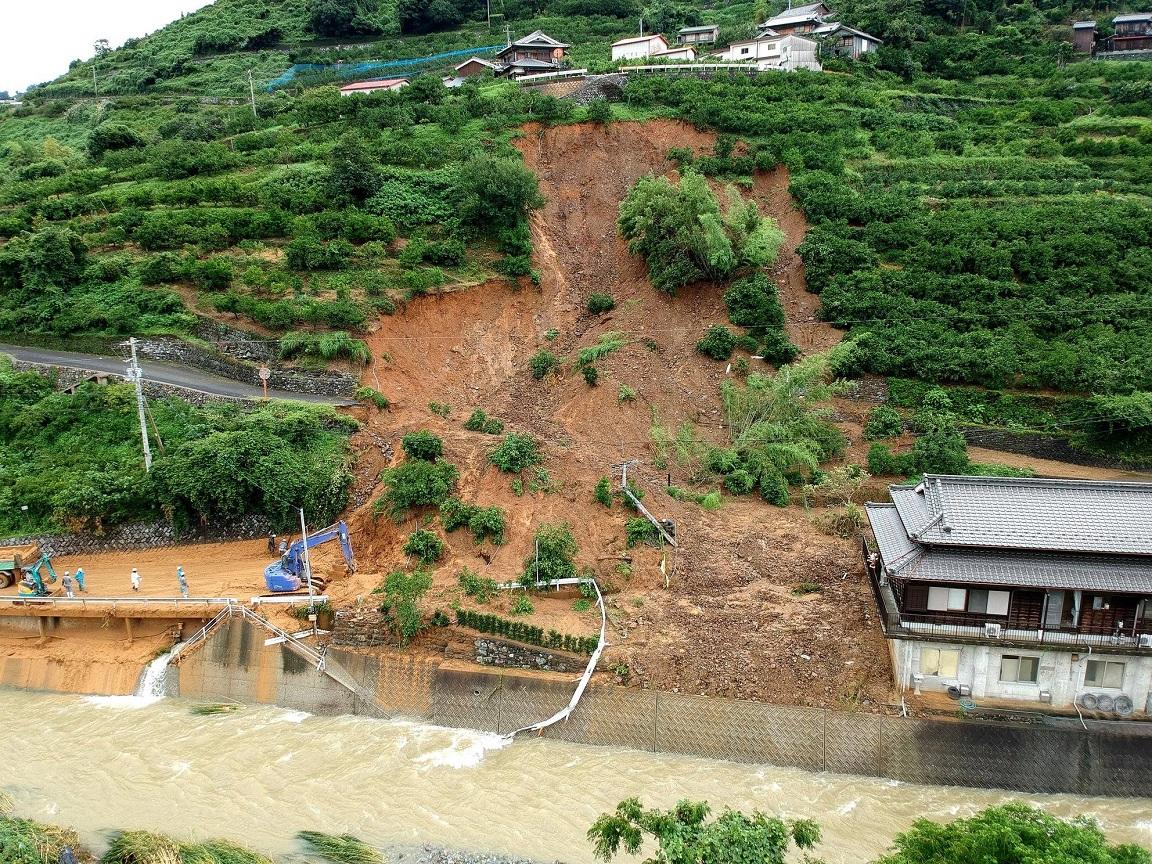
[263, 773]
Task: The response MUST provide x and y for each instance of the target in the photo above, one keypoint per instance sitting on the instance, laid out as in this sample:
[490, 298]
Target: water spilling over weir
[263, 773]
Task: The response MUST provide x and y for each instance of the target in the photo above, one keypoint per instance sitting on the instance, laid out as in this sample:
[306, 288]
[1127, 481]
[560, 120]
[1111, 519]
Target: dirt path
[1052, 468]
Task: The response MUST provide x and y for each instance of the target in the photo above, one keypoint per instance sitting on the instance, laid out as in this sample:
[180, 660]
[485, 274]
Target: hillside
[966, 215]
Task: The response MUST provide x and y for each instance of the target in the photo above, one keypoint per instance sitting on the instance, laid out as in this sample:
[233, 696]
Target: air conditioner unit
[992, 631]
[1146, 640]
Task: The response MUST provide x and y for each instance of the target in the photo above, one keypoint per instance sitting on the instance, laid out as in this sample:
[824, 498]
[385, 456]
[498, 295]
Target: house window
[745, 50]
[941, 599]
[1104, 673]
[982, 602]
[1017, 669]
[939, 662]
[845, 41]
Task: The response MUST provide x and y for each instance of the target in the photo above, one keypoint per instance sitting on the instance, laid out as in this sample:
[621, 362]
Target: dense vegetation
[1008, 834]
[75, 460]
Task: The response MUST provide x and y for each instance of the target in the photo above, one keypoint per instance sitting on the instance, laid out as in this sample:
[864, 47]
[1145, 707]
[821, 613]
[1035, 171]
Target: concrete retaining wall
[1106, 759]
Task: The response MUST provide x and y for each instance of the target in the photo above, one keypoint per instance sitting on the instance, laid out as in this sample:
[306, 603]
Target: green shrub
[522, 605]
[581, 605]
[479, 588]
[685, 235]
[553, 556]
[717, 343]
[600, 111]
[423, 445]
[603, 492]
[607, 344]
[416, 483]
[774, 488]
[883, 422]
[598, 304]
[402, 592]
[522, 632]
[481, 422]
[625, 394]
[374, 397]
[640, 530]
[542, 362]
[488, 523]
[454, 514]
[591, 376]
[427, 546]
[516, 452]
[325, 346]
[440, 409]
[883, 462]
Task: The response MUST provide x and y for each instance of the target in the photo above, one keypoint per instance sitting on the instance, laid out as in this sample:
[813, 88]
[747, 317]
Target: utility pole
[641, 27]
[95, 86]
[136, 376]
[252, 94]
[489, 16]
[307, 565]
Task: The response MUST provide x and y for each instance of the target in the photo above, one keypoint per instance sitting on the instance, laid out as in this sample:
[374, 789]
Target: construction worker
[283, 548]
[183, 582]
[66, 584]
[135, 579]
[80, 579]
[271, 544]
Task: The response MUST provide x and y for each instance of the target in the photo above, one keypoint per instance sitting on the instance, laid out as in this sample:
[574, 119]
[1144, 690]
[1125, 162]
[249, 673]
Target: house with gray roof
[1018, 590]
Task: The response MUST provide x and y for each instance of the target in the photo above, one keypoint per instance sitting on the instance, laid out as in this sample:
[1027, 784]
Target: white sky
[39, 38]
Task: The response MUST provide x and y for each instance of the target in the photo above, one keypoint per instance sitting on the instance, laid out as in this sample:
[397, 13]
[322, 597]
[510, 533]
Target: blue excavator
[32, 585]
[287, 573]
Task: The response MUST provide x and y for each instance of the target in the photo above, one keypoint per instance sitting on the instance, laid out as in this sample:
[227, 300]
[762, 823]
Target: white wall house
[775, 52]
[683, 53]
[638, 47]
[390, 85]
[1028, 591]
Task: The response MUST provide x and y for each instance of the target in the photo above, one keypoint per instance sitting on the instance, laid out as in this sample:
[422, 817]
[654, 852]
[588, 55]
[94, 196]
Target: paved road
[160, 372]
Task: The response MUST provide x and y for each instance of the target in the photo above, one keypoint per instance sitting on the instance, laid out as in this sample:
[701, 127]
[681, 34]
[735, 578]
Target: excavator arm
[286, 574]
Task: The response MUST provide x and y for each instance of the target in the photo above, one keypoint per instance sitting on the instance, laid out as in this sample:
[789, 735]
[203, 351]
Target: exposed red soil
[721, 617]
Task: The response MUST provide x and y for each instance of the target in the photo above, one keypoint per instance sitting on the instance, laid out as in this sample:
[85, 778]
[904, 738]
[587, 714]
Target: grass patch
[342, 849]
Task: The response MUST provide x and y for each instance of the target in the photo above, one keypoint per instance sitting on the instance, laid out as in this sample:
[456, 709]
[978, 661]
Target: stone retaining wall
[318, 383]
[514, 655]
[241, 344]
[1039, 446]
[144, 535]
[66, 378]
[361, 628]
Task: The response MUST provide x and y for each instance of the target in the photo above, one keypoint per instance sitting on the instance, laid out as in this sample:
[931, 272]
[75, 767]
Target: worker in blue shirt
[80, 580]
[183, 581]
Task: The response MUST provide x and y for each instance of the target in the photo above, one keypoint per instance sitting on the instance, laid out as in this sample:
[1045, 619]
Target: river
[262, 773]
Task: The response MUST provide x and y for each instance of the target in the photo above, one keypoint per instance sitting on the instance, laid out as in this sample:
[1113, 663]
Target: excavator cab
[289, 572]
[28, 588]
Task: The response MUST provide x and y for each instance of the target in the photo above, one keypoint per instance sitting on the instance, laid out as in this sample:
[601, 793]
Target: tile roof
[488, 63]
[833, 26]
[703, 28]
[891, 536]
[531, 63]
[537, 38]
[1138, 16]
[1083, 25]
[1029, 513]
[632, 39]
[375, 85]
[1103, 573]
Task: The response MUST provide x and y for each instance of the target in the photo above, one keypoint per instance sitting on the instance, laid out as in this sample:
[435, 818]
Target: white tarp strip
[566, 712]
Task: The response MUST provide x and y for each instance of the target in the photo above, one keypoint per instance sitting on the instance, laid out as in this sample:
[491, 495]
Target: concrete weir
[1100, 758]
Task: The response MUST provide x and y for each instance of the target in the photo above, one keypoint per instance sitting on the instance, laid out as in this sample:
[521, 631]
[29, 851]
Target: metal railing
[82, 602]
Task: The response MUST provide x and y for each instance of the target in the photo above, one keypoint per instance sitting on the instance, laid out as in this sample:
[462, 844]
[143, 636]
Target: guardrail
[82, 602]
